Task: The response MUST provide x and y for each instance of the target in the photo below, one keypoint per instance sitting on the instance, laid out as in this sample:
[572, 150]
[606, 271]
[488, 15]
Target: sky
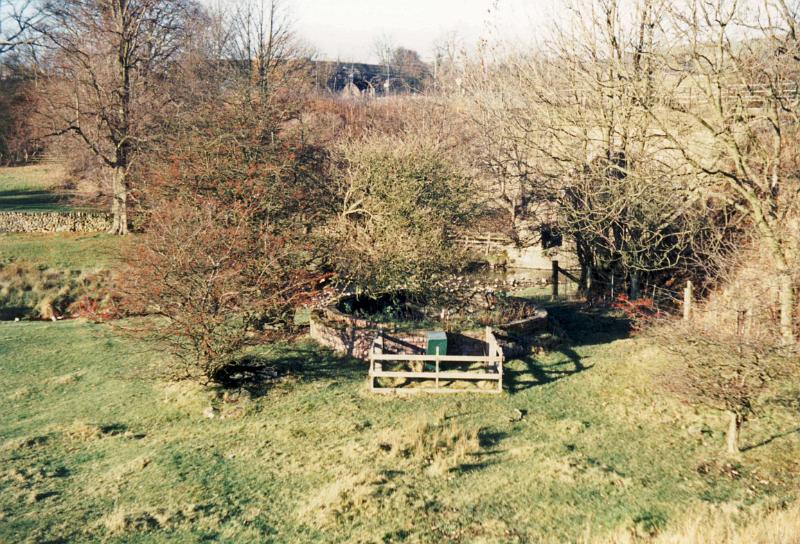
[348, 29]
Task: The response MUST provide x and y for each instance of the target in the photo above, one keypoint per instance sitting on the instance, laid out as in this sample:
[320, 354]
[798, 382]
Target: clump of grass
[36, 292]
[345, 499]
[24, 443]
[20, 394]
[438, 445]
[122, 521]
[66, 379]
[81, 431]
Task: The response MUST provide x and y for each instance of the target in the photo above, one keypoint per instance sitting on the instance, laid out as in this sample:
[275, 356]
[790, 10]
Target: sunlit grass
[81, 251]
[93, 448]
[32, 189]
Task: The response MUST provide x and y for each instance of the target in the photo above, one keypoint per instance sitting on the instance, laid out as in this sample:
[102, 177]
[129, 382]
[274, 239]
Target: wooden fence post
[437, 367]
[554, 281]
[688, 297]
[612, 286]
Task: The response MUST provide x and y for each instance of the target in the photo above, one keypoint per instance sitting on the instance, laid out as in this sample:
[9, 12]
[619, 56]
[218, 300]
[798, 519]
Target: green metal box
[437, 340]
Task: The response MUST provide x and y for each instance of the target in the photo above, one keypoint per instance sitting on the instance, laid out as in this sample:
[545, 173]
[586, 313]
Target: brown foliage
[217, 281]
[722, 371]
[225, 256]
[18, 139]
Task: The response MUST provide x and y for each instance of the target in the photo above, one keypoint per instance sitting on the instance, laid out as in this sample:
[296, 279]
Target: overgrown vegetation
[398, 203]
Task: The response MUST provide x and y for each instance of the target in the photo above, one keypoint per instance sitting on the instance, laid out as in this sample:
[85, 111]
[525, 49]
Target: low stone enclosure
[398, 360]
[396, 365]
[25, 222]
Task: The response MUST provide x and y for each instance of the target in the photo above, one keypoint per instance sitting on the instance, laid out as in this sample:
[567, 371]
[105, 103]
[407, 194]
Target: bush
[398, 203]
[225, 257]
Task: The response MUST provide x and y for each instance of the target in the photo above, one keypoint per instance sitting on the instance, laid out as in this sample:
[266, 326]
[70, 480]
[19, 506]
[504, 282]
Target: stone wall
[356, 341]
[348, 341]
[54, 222]
[354, 337]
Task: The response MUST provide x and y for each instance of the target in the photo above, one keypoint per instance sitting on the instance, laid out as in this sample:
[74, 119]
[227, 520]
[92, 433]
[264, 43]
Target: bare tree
[569, 145]
[16, 20]
[263, 42]
[383, 47]
[731, 108]
[106, 61]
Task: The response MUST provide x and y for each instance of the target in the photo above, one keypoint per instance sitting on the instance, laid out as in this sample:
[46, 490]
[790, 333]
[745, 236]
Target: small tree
[225, 257]
[721, 372]
[215, 281]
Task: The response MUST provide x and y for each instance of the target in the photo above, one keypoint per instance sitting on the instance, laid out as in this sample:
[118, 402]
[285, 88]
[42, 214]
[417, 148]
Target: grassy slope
[79, 251]
[93, 451]
[32, 189]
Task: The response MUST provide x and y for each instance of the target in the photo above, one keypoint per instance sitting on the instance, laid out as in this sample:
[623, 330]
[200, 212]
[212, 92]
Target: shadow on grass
[258, 373]
[489, 441]
[771, 439]
[590, 326]
[582, 327]
[20, 200]
[535, 373]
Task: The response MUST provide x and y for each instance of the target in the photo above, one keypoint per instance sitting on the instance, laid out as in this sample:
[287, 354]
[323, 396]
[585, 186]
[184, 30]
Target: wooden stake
[688, 297]
[554, 281]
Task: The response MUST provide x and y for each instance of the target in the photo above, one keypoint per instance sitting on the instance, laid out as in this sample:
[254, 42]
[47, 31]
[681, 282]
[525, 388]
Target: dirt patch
[81, 431]
[24, 443]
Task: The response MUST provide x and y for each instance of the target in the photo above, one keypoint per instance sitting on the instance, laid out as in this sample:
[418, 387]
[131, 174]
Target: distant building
[355, 80]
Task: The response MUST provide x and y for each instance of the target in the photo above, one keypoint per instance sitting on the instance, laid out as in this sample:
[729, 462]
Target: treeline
[657, 142]
[664, 137]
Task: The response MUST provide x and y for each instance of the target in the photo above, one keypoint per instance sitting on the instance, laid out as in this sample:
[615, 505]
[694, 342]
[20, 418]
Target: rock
[210, 412]
[518, 415]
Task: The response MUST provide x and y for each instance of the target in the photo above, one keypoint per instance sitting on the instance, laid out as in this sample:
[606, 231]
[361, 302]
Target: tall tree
[730, 106]
[107, 60]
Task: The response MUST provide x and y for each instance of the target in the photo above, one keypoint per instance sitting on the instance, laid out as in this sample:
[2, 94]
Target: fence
[491, 363]
[487, 244]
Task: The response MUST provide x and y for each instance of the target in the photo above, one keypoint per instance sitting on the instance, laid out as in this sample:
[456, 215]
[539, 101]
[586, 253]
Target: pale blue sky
[348, 29]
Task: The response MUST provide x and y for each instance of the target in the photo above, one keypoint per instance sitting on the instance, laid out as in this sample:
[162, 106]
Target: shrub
[398, 202]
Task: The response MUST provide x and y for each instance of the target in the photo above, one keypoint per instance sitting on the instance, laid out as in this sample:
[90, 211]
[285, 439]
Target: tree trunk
[635, 285]
[119, 204]
[733, 433]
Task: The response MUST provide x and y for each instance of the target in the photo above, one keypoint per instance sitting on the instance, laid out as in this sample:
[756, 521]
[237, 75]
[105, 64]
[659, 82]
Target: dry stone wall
[54, 222]
[354, 337]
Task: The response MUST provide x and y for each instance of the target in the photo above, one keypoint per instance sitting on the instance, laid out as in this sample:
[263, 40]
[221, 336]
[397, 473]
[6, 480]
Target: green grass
[36, 189]
[93, 449]
[32, 189]
[63, 250]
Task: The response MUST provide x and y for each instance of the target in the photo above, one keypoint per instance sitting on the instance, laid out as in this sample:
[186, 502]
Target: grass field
[82, 251]
[37, 189]
[32, 188]
[581, 446]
